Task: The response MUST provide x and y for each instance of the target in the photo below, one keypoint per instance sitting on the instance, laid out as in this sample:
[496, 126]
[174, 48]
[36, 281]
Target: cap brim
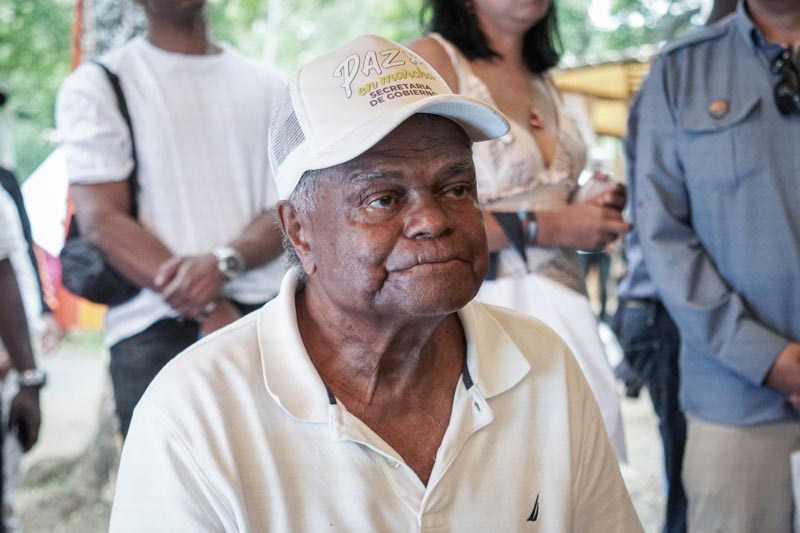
[482, 122]
[479, 120]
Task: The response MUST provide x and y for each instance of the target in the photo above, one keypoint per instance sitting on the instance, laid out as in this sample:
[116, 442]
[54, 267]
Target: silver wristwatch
[33, 377]
[229, 261]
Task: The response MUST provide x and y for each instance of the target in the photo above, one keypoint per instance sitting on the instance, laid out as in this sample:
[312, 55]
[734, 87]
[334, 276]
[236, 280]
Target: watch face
[229, 262]
[231, 265]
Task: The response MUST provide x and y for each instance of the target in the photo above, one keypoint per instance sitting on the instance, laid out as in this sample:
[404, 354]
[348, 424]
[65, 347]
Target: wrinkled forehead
[420, 135]
[421, 139]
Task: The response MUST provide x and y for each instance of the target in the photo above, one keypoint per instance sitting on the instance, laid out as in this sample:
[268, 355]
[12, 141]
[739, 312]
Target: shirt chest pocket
[720, 154]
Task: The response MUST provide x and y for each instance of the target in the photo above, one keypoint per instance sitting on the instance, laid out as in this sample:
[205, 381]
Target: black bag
[84, 270]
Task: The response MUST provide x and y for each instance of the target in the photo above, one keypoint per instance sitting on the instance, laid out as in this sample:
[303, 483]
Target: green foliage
[301, 29]
[34, 41]
[635, 23]
[238, 22]
[650, 22]
[315, 26]
[574, 26]
[34, 58]
[626, 26]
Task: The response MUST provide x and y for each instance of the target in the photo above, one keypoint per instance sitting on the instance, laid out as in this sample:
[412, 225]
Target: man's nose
[426, 218]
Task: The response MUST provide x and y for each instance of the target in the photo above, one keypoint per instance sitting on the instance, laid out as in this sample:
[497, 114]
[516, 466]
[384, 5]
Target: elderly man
[370, 395]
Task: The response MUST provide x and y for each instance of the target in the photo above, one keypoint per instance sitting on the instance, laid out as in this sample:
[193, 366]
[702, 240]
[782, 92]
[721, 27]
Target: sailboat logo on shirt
[535, 513]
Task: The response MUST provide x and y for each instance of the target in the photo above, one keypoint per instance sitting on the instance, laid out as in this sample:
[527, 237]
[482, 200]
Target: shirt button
[393, 463]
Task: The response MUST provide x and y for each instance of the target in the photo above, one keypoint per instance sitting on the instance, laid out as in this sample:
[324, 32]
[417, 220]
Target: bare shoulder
[434, 53]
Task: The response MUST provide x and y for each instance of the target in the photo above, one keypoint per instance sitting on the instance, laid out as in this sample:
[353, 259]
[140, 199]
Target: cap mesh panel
[285, 133]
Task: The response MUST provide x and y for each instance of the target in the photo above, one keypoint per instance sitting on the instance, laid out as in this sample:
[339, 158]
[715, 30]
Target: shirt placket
[405, 483]
[469, 414]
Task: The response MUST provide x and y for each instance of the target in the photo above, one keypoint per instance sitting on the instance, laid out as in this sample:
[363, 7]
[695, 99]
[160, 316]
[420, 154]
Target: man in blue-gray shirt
[718, 214]
[651, 344]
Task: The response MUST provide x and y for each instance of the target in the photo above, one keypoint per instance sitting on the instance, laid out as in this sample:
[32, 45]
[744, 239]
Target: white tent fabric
[45, 194]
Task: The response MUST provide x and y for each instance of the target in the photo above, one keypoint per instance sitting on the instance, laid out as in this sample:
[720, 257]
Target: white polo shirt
[238, 433]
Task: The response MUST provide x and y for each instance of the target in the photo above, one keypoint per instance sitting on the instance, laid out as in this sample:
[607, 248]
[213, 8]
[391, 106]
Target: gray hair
[304, 199]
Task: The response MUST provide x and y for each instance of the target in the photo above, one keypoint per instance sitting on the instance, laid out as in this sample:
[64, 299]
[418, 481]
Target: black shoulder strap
[133, 180]
[514, 231]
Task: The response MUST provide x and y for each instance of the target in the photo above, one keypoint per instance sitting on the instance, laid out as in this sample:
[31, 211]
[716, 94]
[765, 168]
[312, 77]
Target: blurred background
[36, 42]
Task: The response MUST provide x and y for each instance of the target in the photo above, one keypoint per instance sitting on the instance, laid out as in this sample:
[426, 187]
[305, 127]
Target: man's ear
[295, 226]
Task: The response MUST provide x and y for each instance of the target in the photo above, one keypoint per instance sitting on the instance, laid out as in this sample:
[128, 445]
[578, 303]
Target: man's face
[398, 231]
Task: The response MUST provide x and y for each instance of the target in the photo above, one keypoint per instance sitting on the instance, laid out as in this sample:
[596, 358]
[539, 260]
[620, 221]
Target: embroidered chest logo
[535, 513]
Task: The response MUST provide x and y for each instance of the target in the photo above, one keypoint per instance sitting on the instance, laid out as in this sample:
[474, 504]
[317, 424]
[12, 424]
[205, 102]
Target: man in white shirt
[370, 395]
[20, 317]
[205, 246]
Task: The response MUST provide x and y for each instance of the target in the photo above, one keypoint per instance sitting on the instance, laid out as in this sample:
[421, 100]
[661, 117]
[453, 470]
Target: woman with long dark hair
[500, 51]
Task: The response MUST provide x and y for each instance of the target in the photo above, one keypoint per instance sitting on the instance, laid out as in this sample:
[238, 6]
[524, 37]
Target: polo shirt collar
[494, 362]
[289, 375]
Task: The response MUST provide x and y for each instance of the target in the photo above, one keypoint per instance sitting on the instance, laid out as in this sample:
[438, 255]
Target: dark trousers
[602, 261]
[651, 344]
[135, 361]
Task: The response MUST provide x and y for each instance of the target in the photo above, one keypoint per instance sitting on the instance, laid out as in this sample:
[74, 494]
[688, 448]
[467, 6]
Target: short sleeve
[600, 499]
[94, 136]
[160, 486]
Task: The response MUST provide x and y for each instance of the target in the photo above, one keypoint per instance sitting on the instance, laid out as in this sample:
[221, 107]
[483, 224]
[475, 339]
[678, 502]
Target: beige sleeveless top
[512, 175]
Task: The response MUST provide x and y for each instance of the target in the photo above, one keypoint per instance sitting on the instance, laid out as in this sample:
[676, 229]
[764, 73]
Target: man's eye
[382, 201]
[458, 191]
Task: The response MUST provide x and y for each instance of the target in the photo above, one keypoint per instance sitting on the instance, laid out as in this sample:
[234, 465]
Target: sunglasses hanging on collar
[787, 90]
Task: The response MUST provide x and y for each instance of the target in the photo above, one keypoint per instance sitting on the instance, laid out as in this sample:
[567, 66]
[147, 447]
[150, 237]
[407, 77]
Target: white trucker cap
[344, 102]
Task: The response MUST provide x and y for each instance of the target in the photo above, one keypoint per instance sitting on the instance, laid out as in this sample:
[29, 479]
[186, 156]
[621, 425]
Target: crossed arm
[188, 283]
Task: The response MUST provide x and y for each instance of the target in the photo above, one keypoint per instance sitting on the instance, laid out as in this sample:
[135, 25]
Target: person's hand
[784, 375]
[614, 197]
[52, 335]
[189, 283]
[223, 314]
[602, 190]
[24, 416]
[582, 226]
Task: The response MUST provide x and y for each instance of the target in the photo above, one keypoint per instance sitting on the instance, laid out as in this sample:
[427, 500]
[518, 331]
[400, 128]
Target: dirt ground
[68, 479]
